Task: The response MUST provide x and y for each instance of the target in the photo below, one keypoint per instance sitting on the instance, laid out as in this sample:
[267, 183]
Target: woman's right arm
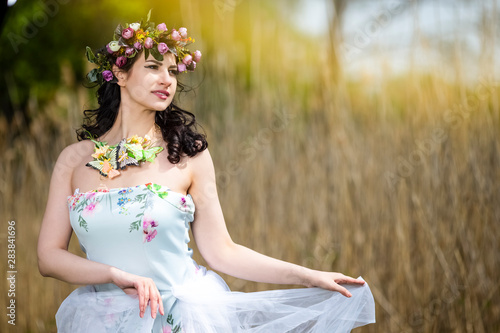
[56, 261]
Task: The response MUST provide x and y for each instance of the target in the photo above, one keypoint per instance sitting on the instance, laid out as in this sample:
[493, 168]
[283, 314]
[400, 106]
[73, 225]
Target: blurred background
[353, 136]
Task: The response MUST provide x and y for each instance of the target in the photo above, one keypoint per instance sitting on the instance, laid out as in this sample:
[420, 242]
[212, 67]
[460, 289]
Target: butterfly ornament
[108, 160]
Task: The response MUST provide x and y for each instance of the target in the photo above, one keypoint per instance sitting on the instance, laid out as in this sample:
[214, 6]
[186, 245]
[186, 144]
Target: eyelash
[171, 71]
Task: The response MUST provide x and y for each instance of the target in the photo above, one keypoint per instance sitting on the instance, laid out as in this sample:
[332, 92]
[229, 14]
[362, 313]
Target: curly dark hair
[178, 126]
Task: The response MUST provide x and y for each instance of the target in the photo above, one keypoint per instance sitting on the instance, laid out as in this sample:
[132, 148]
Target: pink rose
[138, 46]
[181, 67]
[148, 43]
[121, 61]
[128, 33]
[197, 56]
[129, 51]
[176, 35]
[107, 75]
[162, 48]
[184, 32]
[161, 27]
[187, 59]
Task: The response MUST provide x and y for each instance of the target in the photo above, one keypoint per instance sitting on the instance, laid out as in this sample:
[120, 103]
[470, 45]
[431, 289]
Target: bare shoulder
[201, 162]
[71, 157]
[73, 153]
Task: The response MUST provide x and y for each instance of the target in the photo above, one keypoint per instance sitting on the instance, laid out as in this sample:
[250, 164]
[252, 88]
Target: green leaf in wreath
[93, 75]
[156, 54]
[90, 55]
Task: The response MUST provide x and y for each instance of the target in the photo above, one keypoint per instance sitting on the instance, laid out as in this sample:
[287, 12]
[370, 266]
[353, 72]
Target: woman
[111, 189]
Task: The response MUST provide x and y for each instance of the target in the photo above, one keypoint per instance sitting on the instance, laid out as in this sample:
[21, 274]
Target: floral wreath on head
[130, 40]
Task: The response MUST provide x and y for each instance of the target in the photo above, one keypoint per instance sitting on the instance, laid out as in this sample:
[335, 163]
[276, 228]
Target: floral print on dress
[148, 228]
[155, 188]
[87, 204]
[183, 205]
[169, 326]
[124, 201]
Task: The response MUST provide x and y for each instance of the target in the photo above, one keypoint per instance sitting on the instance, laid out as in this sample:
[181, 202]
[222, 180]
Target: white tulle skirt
[205, 304]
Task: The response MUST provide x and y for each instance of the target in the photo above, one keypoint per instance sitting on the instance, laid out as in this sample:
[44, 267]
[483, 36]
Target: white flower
[134, 26]
[114, 46]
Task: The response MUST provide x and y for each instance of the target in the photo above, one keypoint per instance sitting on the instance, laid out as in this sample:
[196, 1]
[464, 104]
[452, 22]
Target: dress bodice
[143, 230]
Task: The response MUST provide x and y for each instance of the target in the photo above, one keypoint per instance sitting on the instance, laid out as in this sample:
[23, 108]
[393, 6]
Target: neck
[130, 122]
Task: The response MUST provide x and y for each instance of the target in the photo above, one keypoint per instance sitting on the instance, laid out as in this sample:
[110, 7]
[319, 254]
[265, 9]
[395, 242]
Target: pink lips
[163, 94]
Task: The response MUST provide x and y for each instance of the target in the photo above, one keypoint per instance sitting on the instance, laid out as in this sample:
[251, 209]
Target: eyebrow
[155, 61]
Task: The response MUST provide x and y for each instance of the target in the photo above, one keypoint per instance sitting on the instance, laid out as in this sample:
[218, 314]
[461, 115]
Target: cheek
[141, 89]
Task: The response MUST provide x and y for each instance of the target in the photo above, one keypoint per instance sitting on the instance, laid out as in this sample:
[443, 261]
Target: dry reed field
[395, 179]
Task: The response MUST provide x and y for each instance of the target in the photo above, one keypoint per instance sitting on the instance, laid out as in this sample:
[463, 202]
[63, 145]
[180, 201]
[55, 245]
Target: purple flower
[181, 67]
[162, 48]
[121, 61]
[187, 59]
[138, 46]
[176, 35]
[148, 43]
[129, 51]
[107, 75]
[183, 31]
[161, 27]
[109, 50]
[154, 224]
[150, 235]
[197, 56]
[128, 33]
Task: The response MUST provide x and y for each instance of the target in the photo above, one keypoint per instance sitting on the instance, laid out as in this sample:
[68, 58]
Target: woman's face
[150, 84]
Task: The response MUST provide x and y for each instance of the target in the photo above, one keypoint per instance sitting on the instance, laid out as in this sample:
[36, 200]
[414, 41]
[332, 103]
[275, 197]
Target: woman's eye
[152, 66]
[174, 72]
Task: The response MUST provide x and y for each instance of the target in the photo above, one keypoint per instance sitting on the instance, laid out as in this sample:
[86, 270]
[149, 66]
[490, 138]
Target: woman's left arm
[222, 254]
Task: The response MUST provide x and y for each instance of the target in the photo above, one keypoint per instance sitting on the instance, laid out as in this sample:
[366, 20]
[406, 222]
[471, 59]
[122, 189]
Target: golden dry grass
[396, 181]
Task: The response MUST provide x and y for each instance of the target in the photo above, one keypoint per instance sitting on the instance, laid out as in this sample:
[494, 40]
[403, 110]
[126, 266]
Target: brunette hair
[178, 126]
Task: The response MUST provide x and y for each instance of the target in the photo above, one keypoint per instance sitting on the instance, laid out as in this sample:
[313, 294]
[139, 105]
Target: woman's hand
[143, 287]
[330, 281]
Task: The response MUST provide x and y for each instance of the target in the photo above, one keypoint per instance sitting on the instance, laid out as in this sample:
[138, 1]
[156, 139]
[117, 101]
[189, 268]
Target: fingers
[342, 279]
[350, 280]
[149, 295]
[162, 311]
[140, 292]
[343, 291]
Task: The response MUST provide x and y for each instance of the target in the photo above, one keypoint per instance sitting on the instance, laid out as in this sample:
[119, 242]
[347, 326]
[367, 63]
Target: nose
[165, 77]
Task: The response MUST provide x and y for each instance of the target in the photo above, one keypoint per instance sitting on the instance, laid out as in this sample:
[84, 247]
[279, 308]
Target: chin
[160, 107]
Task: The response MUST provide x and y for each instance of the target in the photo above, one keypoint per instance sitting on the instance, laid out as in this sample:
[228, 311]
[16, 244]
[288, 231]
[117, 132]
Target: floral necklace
[108, 160]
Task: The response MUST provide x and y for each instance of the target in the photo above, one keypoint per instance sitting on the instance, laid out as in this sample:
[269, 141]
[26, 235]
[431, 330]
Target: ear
[121, 75]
